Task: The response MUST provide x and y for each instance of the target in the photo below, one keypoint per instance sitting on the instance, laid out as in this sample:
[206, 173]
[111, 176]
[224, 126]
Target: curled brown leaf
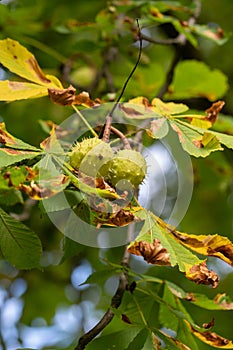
[213, 111]
[153, 253]
[68, 97]
[201, 275]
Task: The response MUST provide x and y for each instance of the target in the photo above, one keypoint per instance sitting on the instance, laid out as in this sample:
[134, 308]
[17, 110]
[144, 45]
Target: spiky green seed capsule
[128, 165]
[90, 155]
[80, 149]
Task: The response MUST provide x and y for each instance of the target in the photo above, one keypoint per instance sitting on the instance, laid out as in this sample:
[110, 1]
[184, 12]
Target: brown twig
[123, 138]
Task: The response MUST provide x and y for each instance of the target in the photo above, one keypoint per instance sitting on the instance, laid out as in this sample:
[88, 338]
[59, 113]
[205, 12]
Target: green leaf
[158, 128]
[61, 201]
[166, 317]
[196, 141]
[173, 343]
[9, 156]
[155, 235]
[220, 302]
[226, 140]
[184, 335]
[117, 340]
[139, 341]
[214, 33]
[195, 79]
[70, 248]
[19, 245]
[100, 276]
[149, 342]
[10, 197]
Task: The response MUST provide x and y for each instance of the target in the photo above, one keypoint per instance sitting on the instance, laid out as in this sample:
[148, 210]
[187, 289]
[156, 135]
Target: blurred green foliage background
[61, 36]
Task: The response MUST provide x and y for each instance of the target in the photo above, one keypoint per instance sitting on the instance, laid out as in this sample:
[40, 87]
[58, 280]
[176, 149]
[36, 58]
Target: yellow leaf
[211, 338]
[210, 245]
[204, 124]
[20, 61]
[14, 90]
[168, 108]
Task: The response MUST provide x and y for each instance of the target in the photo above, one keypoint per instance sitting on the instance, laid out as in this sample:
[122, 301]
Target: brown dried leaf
[119, 218]
[68, 97]
[201, 275]
[84, 100]
[209, 324]
[153, 253]
[125, 319]
[212, 112]
[63, 97]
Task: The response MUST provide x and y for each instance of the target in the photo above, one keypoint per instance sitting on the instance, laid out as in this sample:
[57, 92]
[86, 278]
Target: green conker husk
[128, 165]
[90, 155]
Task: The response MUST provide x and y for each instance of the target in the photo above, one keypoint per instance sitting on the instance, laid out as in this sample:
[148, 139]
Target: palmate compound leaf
[161, 244]
[19, 245]
[194, 134]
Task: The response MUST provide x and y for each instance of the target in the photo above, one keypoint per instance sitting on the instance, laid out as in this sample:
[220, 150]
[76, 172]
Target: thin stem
[85, 121]
[132, 72]
[108, 122]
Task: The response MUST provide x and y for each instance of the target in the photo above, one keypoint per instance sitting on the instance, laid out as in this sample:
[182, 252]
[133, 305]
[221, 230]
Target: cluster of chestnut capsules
[96, 158]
